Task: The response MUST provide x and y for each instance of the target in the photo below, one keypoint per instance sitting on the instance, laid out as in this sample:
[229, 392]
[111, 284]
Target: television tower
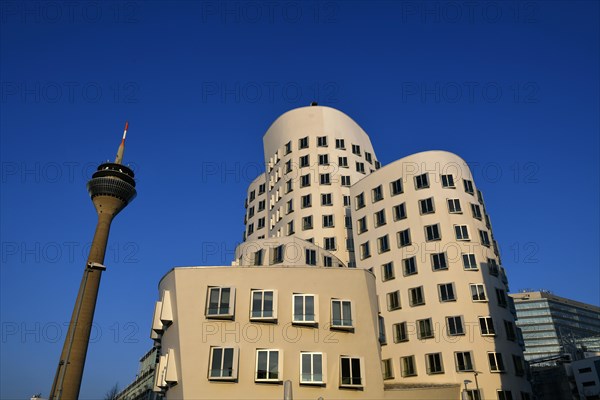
[111, 188]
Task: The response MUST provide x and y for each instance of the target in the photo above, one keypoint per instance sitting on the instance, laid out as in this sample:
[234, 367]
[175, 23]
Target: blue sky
[512, 87]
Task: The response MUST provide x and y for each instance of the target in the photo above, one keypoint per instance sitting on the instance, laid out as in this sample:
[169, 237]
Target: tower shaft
[67, 382]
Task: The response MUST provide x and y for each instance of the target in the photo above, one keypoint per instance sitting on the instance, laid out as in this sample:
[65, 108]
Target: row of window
[426, 206]
[455, 326]
[475, 394]
[439, 262]
[446, 293]
[396, 187]
[224, 362]
[463, 362]
[432, 234]
[323, 141]
[263, 307]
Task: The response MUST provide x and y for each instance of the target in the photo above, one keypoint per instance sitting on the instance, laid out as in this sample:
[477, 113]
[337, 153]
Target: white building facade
[398, 263]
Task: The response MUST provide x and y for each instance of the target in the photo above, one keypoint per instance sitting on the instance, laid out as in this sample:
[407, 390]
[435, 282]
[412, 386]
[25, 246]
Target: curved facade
[313, 155]
[421, 226]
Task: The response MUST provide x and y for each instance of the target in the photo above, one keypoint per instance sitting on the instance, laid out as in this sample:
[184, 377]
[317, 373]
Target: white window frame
[234, 363]
[472, 262]
[323, 380]
[456, 332]
[231, 309]
[361, 375]
[462, 233]
[422, 335]
[478, 286]
[486, 325]
[428, 363]
[468, 368]
[279, 365]
[344, 322]
[444, 285]
[262, 317]
[454, 206]
[305, 321]
[495, 366]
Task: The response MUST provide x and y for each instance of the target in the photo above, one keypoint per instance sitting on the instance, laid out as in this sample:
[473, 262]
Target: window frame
[234, 363]
[342, 325]
[273, 316]
[315, 310]
[351, 366]
[323, 368]
[268, 369]
[230, 314]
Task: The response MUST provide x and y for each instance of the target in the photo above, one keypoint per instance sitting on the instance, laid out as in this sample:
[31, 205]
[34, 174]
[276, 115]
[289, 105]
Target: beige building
[353, 281]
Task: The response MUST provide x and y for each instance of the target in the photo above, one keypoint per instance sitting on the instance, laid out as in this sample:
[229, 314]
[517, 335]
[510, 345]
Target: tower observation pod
[111, 189]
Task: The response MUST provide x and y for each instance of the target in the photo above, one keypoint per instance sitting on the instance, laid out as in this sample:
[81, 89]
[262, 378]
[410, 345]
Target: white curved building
[399, 263]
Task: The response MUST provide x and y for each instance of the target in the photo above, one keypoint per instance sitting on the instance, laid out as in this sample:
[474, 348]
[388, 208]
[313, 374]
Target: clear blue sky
[511, 87]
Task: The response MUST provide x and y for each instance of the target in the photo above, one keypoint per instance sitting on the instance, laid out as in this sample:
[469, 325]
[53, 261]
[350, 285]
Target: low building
[142, 386]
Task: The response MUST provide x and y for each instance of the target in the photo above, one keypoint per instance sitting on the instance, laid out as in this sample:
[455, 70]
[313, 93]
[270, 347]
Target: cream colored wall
[313, 122]
[192, 334]
[436, 163]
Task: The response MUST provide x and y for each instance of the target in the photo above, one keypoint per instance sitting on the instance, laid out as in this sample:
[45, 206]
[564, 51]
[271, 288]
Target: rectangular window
[382, 337]
[345, 180]
[326, 199]
[360, 167]
[263, 304]
[290, 206]
[303, 143]
[432, 232]
[380, 218]
[221, 302]
[504, 395]
[346, 201]
[288, 148]
[501, 297]
[469, 261]
[288, 166]
[439, 261]
[277, 255]
[393, 300]
[343, 162]
[478, 292]
[325, 179]
[289, 186]
[369, 157]
[348, 222]
[261, 205]
[360, 201]
[341, 314]
[468, 186]
[454, 206]
[304, 308]
[404, 238]
[409, 266]
[258, 257]
[329, 243]
[388, 368]
[350, 372]
[305, 180]
[434, 363]
[362, 225]
[340, 144]
[399, 212]
[311, 368]
[400, 332]
[424, 328]
[446, 291]
[396, 187]
[387, 271]
[485, 239]
[252, 196]
[476, 210]
[464, 361]
[511, 333]
[267, 366]
[365, 251]
[307, 223]
[426, 206]
[408, 367]
[461, 231]
[421, 181]
[447, 181]
[290, 228]
[416, 297]
[327, 261]
[377, 194]
[311, 257]
[472, 394]
[496, 362]
[487, 326]
[262, 188]
[250, 212]
[306, 201]
[518, 364]
[328, 221]
[321, 141]
[223, 363]
[383, 244]
[356, 149]
[492, 266]
[455, 325]
[304, 161]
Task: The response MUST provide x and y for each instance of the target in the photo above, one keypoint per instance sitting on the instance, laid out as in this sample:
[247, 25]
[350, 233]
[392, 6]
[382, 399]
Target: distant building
[553, 326]
[560, 335]
[142, 385]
